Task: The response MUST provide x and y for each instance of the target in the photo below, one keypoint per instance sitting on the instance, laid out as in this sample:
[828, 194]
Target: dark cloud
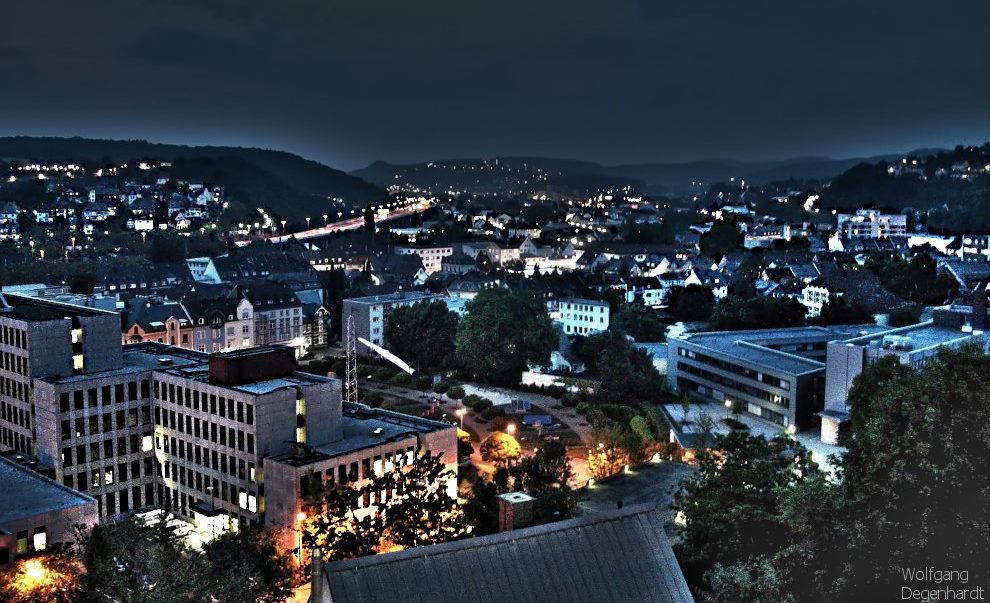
[350, 81]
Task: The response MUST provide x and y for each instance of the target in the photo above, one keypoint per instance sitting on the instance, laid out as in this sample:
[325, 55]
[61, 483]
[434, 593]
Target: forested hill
[288, 184]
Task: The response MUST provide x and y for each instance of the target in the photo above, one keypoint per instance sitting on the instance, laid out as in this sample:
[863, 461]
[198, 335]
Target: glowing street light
[283, 227]
[460, 412]
[325, 221]
[307, 222]
[510, 428]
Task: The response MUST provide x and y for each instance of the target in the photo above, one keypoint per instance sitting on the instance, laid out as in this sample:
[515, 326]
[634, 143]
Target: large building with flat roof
[37, 512]
[155, 426]
[914, 345]
[776, 374]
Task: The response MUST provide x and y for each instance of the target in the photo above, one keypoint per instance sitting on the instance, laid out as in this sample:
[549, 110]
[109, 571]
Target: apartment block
[583, 316]
[369, 313]
[871, 224]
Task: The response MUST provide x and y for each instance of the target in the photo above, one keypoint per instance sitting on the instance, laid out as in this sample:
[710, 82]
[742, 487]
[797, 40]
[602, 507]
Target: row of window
[15, 415]
[226, 408]
[17, 441]
[94, 480]
[738, 386]
[104, 423]
[16, 338]
[14, 363]
[735, 368]
[210, 458]
[106, 395]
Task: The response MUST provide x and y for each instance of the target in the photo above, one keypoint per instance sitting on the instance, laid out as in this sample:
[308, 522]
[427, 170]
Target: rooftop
[920, 336]
[32, 309]
[26, 493]
[615, 556]
[393, 297]
[757, 346]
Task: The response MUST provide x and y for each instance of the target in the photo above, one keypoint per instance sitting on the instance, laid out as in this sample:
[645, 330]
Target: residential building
[583, 316]
[432, 255]
[369, 313]
[278, 314]
[871, 224]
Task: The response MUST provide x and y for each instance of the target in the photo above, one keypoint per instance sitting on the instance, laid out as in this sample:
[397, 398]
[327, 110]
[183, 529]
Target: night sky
[350, 81]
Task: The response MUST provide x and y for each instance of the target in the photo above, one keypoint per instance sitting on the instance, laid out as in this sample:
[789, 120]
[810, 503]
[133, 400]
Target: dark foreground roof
[617, 556]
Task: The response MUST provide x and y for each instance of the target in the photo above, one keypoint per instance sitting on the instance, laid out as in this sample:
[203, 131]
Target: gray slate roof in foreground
[616, 556]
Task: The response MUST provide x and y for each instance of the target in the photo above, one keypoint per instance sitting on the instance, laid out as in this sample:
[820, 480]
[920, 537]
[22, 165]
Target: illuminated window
[147, 444]
[40, 539]
[252, 504]
[77, 362]
[242, 499]
[76, 335]
[300, 407]
[301, 435]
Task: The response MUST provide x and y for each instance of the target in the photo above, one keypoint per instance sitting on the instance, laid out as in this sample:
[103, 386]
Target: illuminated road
[349, 224]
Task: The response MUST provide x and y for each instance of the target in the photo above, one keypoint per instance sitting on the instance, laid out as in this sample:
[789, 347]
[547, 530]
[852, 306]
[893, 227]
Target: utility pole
[350, 347]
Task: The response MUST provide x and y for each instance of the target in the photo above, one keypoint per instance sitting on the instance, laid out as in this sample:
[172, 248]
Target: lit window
[77, 362]
[40, 539]
[301, 435]
[242, 499]
[147, 444]
[252, 504]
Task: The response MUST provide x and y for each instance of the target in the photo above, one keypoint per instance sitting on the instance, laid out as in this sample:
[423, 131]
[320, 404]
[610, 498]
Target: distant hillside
[288, 184]
[651, 178]
[501, 175]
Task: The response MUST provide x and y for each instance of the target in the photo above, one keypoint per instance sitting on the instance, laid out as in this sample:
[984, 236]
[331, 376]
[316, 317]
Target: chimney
[515, 510]
[316, 594]
[978, 319]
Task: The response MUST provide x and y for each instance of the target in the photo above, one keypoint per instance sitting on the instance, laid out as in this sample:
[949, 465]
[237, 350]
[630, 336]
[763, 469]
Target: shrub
[596, 417]
[735, 424]
[372, 399]
[640, 425]
[482, 404]
[441, 387]
[456, 392]
[570, 399]
[424, 382]
[383, 374]
[499, 423]
[403, 379]
[339, 367]
[555, 391]
[492, 412]
[618, 412]
[583, 408]
[470, 400]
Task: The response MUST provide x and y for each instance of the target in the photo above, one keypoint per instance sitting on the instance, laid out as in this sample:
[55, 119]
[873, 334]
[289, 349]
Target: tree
[412, 507]
[639, 323]
[724, 237]
[731, 506]
[503, 333]
[369, 218]
[248, 565]
[733, 314]
[500, 449]
[914, 478]
[166, 249]
[692, 303]
[423, 335]
[840, 311]
[82, 282]
[423, 512]
[614, 446]
[546, 476]
[52, 577]
[626, 372]
[905, 314]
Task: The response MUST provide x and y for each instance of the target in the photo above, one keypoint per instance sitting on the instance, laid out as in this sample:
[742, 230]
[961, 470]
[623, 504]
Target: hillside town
[169, 362]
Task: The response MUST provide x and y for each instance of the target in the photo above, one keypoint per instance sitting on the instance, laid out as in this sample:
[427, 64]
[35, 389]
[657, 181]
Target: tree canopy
[423, 335]
[734, 314]
[503, 332]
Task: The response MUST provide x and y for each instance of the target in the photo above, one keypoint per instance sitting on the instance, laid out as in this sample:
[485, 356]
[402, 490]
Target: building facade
[369, 313]
[871, 224]
[583, 316]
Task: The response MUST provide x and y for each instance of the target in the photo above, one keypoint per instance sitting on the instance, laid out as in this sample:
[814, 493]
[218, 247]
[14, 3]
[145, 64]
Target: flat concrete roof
[922, 336]
[33, 309]
[753, 346]
[26, 493]
[392, 297]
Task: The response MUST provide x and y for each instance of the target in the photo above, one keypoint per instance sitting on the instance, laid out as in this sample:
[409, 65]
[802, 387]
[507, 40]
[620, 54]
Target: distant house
[10, 230]
[97, 211]
[9, 211]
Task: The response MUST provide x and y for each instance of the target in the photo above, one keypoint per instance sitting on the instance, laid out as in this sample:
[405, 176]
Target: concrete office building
[37, 512]
[583, 316]
[369, 313]
[776, 374]
[151, 426]
[914, 345]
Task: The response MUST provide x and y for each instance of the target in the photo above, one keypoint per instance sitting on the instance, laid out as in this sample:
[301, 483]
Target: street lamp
[460, 412]
[510, 428]
[307, 222]
[325, 221]
[283, 227]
